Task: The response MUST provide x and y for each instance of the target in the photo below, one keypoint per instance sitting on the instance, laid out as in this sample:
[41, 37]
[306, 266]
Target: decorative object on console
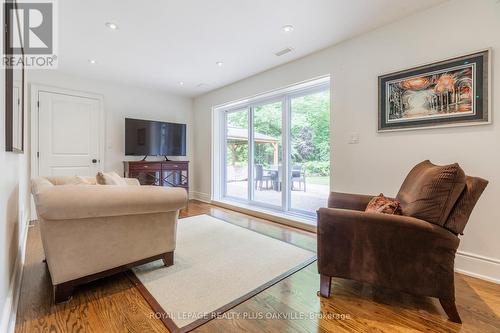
[453, 92]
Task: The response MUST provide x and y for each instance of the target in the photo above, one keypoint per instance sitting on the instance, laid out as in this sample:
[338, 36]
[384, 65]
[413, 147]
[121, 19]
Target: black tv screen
[154, 138]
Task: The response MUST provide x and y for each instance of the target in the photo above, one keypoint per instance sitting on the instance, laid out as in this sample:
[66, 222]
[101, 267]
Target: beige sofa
[90, 231]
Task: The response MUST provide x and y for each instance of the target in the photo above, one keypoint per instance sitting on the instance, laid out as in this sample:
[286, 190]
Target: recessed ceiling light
[111, 25]
[181, 83]
[93, 61]
[219, 63]
[287, 28]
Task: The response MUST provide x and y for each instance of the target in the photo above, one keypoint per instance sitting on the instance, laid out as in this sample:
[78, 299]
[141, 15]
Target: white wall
[121, 101]
[14, 214]
[380, 161]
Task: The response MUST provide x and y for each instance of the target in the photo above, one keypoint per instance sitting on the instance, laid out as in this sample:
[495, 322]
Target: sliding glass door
[237, 154]
[277, 151]
[267, 153]
[310, 151]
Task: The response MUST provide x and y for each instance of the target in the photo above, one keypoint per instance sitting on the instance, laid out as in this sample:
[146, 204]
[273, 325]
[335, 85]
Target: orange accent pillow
[381, 204]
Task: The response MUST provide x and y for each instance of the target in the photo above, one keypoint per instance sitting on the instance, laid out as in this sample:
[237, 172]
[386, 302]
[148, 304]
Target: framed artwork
[14, 82]
[453, 92]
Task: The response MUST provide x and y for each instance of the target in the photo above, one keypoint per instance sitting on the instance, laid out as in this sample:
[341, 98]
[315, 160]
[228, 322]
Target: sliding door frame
[286, 115]
[289, 97]
[223, 155]
[253, 106]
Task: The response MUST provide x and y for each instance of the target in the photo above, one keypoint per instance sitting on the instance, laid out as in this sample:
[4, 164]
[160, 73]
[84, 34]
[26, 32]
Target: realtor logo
[30, 34]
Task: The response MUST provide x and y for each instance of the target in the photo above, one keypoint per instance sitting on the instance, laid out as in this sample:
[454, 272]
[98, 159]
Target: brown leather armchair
[401, 252]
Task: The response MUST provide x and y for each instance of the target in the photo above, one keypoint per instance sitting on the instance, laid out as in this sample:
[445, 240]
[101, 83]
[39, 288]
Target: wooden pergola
[241, 135]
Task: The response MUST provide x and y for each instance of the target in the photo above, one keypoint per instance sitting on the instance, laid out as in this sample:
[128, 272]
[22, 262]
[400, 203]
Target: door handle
[94, 161]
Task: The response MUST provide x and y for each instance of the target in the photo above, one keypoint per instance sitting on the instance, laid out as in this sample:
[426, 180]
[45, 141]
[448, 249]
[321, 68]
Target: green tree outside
[310, 133]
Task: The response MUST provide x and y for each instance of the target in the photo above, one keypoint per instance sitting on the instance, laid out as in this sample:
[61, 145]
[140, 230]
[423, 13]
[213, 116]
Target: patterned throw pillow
[381, 204]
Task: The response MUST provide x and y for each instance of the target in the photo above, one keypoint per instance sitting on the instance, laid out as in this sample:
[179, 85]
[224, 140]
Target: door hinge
[38, 104]
[37, 154]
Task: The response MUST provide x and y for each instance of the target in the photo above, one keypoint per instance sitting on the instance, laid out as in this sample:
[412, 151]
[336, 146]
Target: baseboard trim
[8, 322]
[478, 266]
[203, 197]
[287, 220]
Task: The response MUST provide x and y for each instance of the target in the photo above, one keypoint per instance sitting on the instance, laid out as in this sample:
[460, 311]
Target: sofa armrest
[77, 202]
[348, 200]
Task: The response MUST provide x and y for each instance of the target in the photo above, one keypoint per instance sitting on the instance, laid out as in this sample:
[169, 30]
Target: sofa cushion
[382, 204]
[430, 191]
[71, 180]
[459, 216]
[110, 178]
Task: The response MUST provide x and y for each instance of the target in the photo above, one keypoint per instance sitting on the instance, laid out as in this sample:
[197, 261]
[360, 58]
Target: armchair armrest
[77, 202]
[381, 226]
[348, 201]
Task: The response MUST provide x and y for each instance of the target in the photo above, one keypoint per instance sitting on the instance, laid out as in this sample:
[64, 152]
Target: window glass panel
[310, 151]
[237, 154]
[268, 175]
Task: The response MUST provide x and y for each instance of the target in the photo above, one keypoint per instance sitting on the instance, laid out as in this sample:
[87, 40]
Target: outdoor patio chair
[276, 175]
[260, 177]
[298, 176]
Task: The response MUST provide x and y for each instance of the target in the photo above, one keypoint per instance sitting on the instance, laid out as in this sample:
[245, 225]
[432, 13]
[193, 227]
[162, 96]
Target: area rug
[217, 265]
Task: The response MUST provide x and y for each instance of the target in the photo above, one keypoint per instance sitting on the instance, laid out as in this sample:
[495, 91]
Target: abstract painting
[451, 92]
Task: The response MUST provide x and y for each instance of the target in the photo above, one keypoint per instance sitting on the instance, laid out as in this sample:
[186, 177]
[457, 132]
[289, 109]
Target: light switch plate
[354, 138]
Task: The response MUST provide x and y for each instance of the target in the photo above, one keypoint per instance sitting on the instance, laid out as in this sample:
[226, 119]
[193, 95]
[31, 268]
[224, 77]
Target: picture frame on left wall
[14, 80]
[448, 93]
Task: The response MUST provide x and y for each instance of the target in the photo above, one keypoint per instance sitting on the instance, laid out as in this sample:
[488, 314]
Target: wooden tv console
[159, 173]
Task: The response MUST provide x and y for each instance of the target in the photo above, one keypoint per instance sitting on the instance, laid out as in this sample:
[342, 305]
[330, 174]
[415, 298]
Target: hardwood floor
[114, 305]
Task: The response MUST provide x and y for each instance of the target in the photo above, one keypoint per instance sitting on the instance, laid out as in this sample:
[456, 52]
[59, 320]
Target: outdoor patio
[310, 185]
[315, 196]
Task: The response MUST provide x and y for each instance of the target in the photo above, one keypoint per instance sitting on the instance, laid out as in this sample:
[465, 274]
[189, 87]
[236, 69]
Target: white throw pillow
[110, 178]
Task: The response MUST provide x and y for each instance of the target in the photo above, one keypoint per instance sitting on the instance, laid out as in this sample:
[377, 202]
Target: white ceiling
[161, 42]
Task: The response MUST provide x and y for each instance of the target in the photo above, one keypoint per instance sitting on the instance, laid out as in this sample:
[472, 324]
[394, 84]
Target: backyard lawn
[318, 180]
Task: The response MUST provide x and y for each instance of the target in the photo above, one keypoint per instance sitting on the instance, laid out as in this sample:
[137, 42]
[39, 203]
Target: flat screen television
[154, 138]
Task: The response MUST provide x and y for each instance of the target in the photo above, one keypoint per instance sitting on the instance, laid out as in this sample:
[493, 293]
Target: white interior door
[69, 139]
